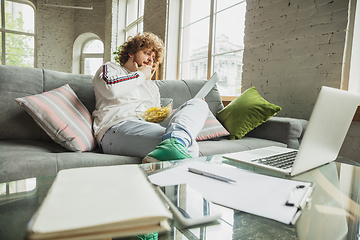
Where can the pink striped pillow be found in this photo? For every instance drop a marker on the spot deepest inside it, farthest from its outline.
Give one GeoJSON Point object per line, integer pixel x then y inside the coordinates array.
{"type": "Point", "coordinates": [212, 129]}
{"type": "Point", "coordinates": [63, 117]}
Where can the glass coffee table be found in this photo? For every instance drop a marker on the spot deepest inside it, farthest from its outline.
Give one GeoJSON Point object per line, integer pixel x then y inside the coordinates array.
{"type": "Point", "coordinates": [333, 212]}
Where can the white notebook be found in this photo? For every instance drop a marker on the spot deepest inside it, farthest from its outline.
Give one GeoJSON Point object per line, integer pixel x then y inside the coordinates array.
{"type": "Point", "coordinates": [99, 202]}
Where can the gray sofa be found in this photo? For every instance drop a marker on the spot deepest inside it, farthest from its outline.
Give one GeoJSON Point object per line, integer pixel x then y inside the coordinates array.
{"type": "Point", "coordinates": [26, 151]}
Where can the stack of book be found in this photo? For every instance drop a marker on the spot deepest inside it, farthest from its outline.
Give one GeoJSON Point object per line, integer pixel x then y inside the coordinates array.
{"type": "Point", "coordinates": [99, 203]}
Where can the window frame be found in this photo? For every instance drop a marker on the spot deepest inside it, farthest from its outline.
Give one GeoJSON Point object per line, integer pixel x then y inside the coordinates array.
{"type": "Point", "coordinates": [350, 76]}
{"type": "Point", "coordinates": [4, 31]}
{"type": "Point", "coordinates": [123, 26]}
{"type": "Point", "coordinates": [83, 55]}
{"type": "Point", "coordinates": [78, 47]}
{"type": "Point", "coordinates": [211, 55]}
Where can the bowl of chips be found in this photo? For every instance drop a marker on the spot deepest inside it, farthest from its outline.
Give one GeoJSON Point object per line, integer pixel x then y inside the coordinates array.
{"type": "Point", "coordinates": [155, 110]}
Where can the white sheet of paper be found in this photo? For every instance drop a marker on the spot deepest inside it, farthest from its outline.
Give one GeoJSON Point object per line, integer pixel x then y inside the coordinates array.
{"type": "Point", "coordinates": [252, 193]}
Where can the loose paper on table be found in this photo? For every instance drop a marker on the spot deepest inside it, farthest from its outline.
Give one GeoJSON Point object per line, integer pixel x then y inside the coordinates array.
{"type": "Point", "coordinates": [253, 193]}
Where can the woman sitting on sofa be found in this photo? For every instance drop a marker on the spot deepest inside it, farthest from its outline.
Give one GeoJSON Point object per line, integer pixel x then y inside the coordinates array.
{"type": "Point", "coordinates": [119, 89]}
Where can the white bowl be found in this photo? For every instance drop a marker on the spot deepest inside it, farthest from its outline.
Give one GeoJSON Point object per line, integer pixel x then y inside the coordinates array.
{"type": "Point", "coordinates": [155, 110]}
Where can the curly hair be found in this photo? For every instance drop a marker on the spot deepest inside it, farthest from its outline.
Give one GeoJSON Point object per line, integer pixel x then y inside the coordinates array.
{"type": "Point", "coordinates": [139, 42]}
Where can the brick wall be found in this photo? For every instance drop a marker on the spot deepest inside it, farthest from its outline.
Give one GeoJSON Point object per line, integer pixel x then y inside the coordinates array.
{"type": "Point", "coordinates": [110, 29]}
{"type": "Point", "coordinates": [57, 29]}
{"type": "Point", "coordinates": [155, 17]}
{"type": "Point", "coordinates": [90, 21]}
{"type": "Point", "coordinates": [292, 48]}
{"type": "Point", "coordinates": [155, 22]}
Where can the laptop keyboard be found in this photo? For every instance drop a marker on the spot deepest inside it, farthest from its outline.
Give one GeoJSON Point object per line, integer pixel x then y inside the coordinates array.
{"type": "Point", "coordinates": [284, 160]}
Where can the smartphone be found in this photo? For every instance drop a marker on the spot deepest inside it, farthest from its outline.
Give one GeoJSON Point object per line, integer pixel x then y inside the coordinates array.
{"type": "Point", "coordinates": [188, 205]}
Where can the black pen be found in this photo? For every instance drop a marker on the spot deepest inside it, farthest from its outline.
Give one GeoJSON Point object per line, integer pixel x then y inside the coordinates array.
{"type": "Point", "coordinates": [210, 175]}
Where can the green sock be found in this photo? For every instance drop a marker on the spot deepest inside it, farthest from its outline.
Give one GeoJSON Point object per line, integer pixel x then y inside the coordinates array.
{"type": "Point", "coordinates": [169, 149]}
{"type": "Point", "coordinates": [149, 236]}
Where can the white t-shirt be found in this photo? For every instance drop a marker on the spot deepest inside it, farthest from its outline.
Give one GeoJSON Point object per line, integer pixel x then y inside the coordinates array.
{"type": "Point", "coordinates": [118, 92]}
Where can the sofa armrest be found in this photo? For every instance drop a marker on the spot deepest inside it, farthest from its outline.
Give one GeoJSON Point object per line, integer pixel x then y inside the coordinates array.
{"type": "Point", "coordinates": [289, 131]}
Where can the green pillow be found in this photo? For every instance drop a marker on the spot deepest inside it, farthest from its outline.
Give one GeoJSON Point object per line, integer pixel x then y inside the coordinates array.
{"type": "Point", "coordinates": [245, 113]}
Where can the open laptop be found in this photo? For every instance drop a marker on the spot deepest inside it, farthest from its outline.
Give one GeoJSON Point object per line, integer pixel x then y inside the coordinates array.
{"type": "Point", "coordinates": [207, 86]}
{"type": "Point", "coordinates": [323, 138]}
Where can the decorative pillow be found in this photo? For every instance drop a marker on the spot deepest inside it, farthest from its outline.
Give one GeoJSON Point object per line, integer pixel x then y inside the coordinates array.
{"type": "Point", "coordinates": [245, 113]}
{"type": "Point", "coordinates": [211, 129]}
{"type": "Point", "coordinates": [62, 116]}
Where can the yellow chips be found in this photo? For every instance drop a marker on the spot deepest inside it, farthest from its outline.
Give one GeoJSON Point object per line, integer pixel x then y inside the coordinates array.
{"type": "Point", "coordinates": [156, 114]}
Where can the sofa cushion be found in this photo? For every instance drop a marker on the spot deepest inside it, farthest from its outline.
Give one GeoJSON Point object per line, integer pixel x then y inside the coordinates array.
{"type": "Point", "coordinates": [15, 122]}
{"type": "Point", "coordinates": [246, 112]}
{"type": "Point", "coordinates": [63, 117]}
{"type": "Point", "coordinates": [280, 129]}
{"type": "Point", "coordinates": [16, 165]}
{"type": "Point", "coordinates": [224, 145]}
{"type": "Point", "coordinates": [25, 146]}
{"type": "Point", "coordinates": [80, 83]}
{"type": "Point", "coordinates": [21, 159]}
{"type": "Point", "coordinates": [211, 129]}
{"type": "Point", "coordinates": [90, 159]}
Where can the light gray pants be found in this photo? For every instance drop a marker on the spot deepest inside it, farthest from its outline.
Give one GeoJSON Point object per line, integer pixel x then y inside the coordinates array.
{"type": "Point", "coordinates": [138, 138]}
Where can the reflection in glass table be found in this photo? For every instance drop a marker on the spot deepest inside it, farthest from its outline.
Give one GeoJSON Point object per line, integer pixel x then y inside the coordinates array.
{"type": "Point", "coordinates": [332, 214]}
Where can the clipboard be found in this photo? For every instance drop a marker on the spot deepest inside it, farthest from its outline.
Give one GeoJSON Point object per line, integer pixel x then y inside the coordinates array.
{"type": "Point", "coordinates": [306, 199]}
{"type": "Point", "coordinates": [254, 193]}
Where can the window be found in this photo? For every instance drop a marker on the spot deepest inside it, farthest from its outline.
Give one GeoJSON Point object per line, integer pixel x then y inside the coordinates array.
{"type": "Point", "coordinates": [88, 53]}
{"type": "Point", "coordinates": [134, 17]}
{"type": "Point", "coordinates": [130, 19]}
{"type": "Point", "coordinates": [17, 33]}
{"type": "Point", "coordinates": [212, 40]}
{"type": "Point", "coordinates": [351, 71]}
{"type": "Point", "coordinates": [92, 56]}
